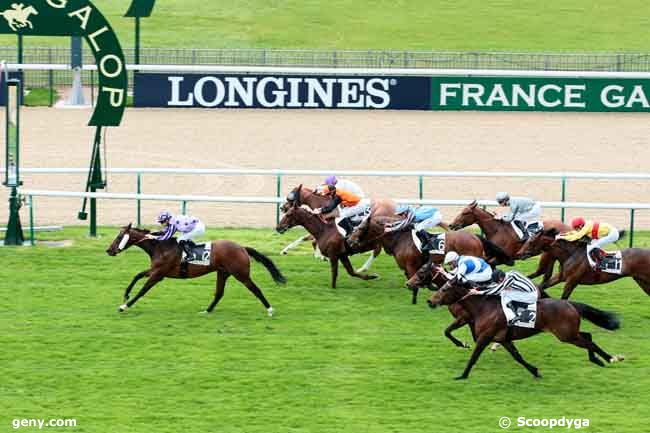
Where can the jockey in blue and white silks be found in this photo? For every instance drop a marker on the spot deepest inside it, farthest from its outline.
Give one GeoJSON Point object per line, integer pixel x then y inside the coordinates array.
{"type": "Point", "coordinates": [468, 268]}
{"type": "Point", "coordinates": [189, 228]}
{"type": "Point", "coordinates": [424, 217]}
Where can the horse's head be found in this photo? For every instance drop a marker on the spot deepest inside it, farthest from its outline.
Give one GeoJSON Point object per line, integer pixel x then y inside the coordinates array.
{"type": "Point", "coordinates": [125, 238]}
{"type": "Point", "coordinates": [466, 218]}
{"type": "Point", "coordinates": [30, 10]}
{"type": "Point", "coordinates": [450, 293]}
{"type": "Point", "coordinates": [293, 198]}
{"type": "Point", "coordinates": [360, 233]}
{"type": "Point", "coordinates": [422, 277]}
{"type": "Point", "coordinates": [295, 216]}
{"type": "Point", "coordinates": [537, 243]}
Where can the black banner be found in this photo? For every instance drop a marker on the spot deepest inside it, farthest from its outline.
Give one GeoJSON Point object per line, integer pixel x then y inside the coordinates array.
{"type": "Point", "coordinates": [281, 91]}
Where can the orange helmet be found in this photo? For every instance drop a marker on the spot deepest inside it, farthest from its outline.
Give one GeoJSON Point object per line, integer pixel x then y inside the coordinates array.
{"type": "Point", "coordinates": [577, 222]}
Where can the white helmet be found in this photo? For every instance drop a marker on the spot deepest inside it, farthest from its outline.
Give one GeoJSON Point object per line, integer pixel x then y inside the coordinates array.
{"type": "Point", "coordinates": [451, 256]}
{"type": "Point", "coordinates": [502, 196]}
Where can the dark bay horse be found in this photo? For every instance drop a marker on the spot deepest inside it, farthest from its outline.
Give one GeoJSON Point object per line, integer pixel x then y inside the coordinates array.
{"type": "Point", "coordinates": [504, 236]}
{"type": "Point", "coordinates": [426, 277]}
{"type": "Point", "coordinates": [400, 245]}
{"type": "Point", "coordinates": [559, 317]}
{"type": "Point", "coordinates": [574, 264]}
{"type": "Point", "coordinates": [227, 258]}
{"type": "Point", "coordinates": [329, 240]}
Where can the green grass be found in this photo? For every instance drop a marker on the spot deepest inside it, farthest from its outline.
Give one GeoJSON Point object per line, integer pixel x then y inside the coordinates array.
{"type": "Point", "coordinates": [356, 359]}
{"type": "Point", "coordinates": [520, 25]}
{"type": "Point", "coordinates": [40, 97]}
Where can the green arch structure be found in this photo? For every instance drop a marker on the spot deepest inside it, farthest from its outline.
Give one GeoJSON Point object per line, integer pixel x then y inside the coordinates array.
{"type": "Point", "coordinates": [75, 18]}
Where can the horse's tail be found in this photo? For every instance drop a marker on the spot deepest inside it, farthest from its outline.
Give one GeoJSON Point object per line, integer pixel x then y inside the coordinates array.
{"type": "Point", "coordinates": [601, 318]}
{"type": "Point", "coordinates": [268, 264]}
{"type": "Point", "coordinates": [493, 250]}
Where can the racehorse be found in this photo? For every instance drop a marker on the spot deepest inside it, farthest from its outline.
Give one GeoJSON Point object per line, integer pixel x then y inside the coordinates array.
{"type": "Point", "coordinates": [227, 258]}
{"type": "Point", "coordinates": [504, 236]}
{"type": "Point", "coordinates": [400, 244]}
{"type": "Point", "coordinates": [575, 267]}
{"type": "Point", "coordinates": [425, 277]}
{"type": "Point", "coordinates": [329, 240]}
{"type": "Point", "coordinates": [306, 196]}
{"type": "Point", "coordinates": [559, 317]}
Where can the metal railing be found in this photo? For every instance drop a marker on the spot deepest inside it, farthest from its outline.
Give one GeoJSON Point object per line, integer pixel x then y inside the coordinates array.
{"type": "Point", "coordinates": [185, 199]}
{"type": "Point", "coordinates": [605, 62]}
{"type": "Point", "coordinates": [278, 174]}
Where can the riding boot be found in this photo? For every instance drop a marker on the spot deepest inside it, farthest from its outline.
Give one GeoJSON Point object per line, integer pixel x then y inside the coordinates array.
{"type": "Point", "coordinates": [597, 255]}
{"type": "Point", "coordinates": [346, 225]}
{"type": "Point", "coordinates": [187, 246]}
{"type": "Point", "coordinates": [522, 227]}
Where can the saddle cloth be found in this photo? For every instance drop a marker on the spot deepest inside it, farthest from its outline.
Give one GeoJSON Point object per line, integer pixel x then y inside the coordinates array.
{"type": "Point", "coordinates": [520, 305]}
{"type": "Point", "coordinates": [531, 227]}
{"type": "Point", "coordinates": [612, 263]}
{"type": "Point", "coordinates": [355, 220]}
{"type": "Point", "coordinates": [437, 241]}
{"type": "Point", "coordinates": [200, 254]}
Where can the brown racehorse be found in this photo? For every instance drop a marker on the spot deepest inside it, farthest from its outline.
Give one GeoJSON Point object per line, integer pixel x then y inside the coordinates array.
{"type": "Point", "coordinates": [301, 195]}
{"type": "Point", "coordinates": [559, 317]}
{"type": "Point", "coordinates": [227, 258]}
{"type": "Point", "coordinates": [329, 240]}
{"type": "Point", "coordinates": [574, 265]}
{"type": "Point", "coordinates": [400, 245]}
{"type": "Point", "coordinates": [425, 277]}
{"type": "Point", "coordinates": [504, 236]}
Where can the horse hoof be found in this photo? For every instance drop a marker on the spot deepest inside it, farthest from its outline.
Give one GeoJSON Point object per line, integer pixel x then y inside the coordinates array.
{"type": "Point", "coordinates": [460, 378]}
{"type": "Point", "coordinates": [494, 347]}
{"type": "Point", "coordinates": [373, 276]}
{"type": "Point", "coordinates": [269, 311]}
{"type": "Point", "coordinates": [204, 312]}
{"type": "Point", "coordinates": [284, 253]}
{"type": "Point", "coordinates": [466, 346]}
{"type": "Point", "coordinates": [122, 308]}
{"type": "Point", "coordinates": [616, 358]}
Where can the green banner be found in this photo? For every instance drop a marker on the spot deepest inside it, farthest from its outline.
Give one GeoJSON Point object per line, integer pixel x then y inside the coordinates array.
{"type": "Point", "coordinates": [540, 94]}
{"type": "Point", "coordinates": [76, 18]}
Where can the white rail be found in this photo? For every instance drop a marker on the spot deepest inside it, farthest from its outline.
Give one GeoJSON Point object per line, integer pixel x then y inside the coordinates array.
{"type": "Point", "coordinates": [377, 173]}
{"type": "Point", "coordinates": [263, 200]}
{"type": "Point", "coordinates": [342, 71]}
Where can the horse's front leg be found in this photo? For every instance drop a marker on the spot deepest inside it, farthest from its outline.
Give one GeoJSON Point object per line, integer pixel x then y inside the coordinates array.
{"type": "Point", "coordinates": [137, 278]}
{"type": "Point", "coordinates": [350, 269]}
{"type": "Point", "coordinates": [154, 278]}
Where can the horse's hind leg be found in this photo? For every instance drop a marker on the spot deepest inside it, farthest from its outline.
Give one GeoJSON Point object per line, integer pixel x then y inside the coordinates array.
{"type": "Point", "coordinates": [458, 323]}
{"type": "Point", "coordinates": [644, 284]}
{"type": "Point", "coordinates": [371, 258]}
{"type": "Point", "coordinates": [510, 347]}
{"type": "Point", "coordinates": [222, 276]}
{"type": "Point", "coordinates": [137, 278]}
{"type": "Point", "coordinates": [481, 343]}
{"type": "Point", "coordinates": [545, 267]}
{"type": "Point", "coordinates": [348, 267]}
{"type": "Point", "coordinates": [250, 285]}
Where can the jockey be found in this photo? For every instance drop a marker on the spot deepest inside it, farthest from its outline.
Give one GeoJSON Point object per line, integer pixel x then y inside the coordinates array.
{"type": "Point", "coordinates": [189, 227]}
{"type": "Point", "coordinates": [423, 218]}
{"type": "Point", "coordinates": [346, 203]}
{"type": "Point", "coordinates": [600, 234]}
{"type": "Point", "coordinates": [517, 293]}
{"type": "Point", "coordinates": [345, 184]}
{"type": "Point", "coordinates": [469, 268]}
{"type": "Point", "coordinates": [525, 213]}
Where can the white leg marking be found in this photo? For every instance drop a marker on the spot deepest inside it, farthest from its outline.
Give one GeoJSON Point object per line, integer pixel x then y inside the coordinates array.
{"type": "Point", "coordinates": [494, 347]}
{"type": "Point", "coordinates": [270, 311]}
{"type": "Point", "coordinates": [292, 245]}
{"type": "Point", "coordinates": [367, 265]}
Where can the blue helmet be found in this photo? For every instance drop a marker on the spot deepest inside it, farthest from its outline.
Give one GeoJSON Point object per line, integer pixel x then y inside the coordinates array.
{"type": "Point", "coordinates": [401, 208]}
{"type": "Point", "coordinates": [164, 216]}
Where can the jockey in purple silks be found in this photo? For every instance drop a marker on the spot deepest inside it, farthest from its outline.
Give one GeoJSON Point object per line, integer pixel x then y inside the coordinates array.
{"type": "Point", "coordinates": [189, 227]}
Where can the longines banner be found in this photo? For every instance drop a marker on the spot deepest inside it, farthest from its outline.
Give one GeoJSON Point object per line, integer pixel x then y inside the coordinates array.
{"type": "Point", "coordinates": [539, 94]}
{"type": "Point", "coordinates": [281, 91]}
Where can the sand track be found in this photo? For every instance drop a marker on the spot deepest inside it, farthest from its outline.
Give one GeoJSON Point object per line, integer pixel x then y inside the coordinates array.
{"type": "Point", "coordinates": [329, 139]}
